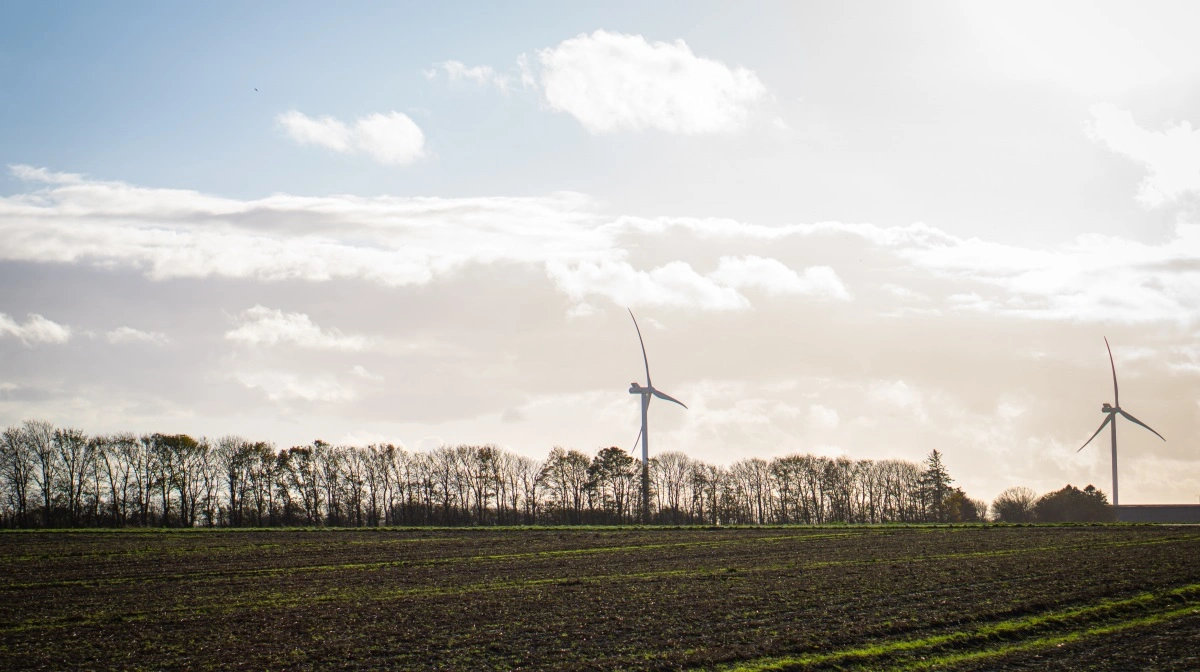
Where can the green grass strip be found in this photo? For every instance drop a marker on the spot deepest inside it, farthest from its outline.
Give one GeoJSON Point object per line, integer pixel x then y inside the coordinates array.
{"type": "Point", "coordinates": [1048, 642]}
{"type": "Point", "coordinates": [1009, 628]}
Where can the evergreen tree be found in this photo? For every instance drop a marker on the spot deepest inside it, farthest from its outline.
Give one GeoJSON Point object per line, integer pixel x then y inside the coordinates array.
{"type": "Point", "coordinates": [935, 487]}
{"type": "Point", "coordinates": [1072, 505]}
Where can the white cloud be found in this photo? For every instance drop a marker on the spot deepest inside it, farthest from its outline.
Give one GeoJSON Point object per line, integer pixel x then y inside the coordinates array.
{"type": "Point", "coordinates": [527, 79]}
{"type": "Point", "coordinates": [823, 417]}
{"type": "Point", "coordinates": [587, 254]}
{"type": "Point", "coordinates": [1171, 157]}
{"type": "Point", "coordinates": [773, 277]}
{"type": "Point", "coordinates": [613, 82]}
{"type": "Point", "coordinates": [899, 394]}
{"type": "Point", "coordinates": [362, 372]}
{"type": "Point", "coordinates": [482, 75]}
{"type": "Point", "coordinates": [390, 139]}
{"type": "Point", "coordinates": [904, 293]}
{"type": "Point", "coordinates": [678, 284]}
{"type": "Point", "coordinates": [581, 310]}
{"type": "Point", "coordinates": [173, 233]}
{"type": "Point", "coordinates": [131, 335]}
{"type": "Point", "coordinates": [284, 386]}
{"type": "Point", "coordinates": [324, 132]}
{"type": "Point", "coordinates": [35, 329]}
{"type": "Point", "coordinates": [673, 284]}
{"type": "Point", "coordinates": [268, 327]}
{"type": "Point", "coordinates": [31, 174]}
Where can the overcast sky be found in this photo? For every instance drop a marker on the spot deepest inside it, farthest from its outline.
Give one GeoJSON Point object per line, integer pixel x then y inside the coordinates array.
{"type": "Point", "coordinates": [862, 229]}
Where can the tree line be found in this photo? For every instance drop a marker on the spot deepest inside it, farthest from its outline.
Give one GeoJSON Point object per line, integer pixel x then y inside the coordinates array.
{"type": "Point", "coordinates": [62, 477]}
{"type": "Point", "coordinates": [1069, 505]}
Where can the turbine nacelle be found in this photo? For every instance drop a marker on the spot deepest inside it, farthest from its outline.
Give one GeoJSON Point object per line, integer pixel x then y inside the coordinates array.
{"type": "Point", "coordinates": [1106, 408]}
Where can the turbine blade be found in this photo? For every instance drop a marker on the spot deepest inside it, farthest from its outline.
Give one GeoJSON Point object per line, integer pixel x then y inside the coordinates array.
{"type": "Point", "coordinates": [636, 441]}
{"type": "Point", "coordinates": [1116, 395]}
{"type": "Point", "coordinates": [663, 395]}
{"type": "Point", "coordinates": [645, 359]}
{"type": "Point", "coordinates": [1139, 422]}
{"type": "Point", "coordinates": [1102, 426]}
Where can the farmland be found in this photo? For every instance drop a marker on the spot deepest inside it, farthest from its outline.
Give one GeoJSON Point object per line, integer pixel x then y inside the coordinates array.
{"type": "Point", "coordinates": [921, 597]}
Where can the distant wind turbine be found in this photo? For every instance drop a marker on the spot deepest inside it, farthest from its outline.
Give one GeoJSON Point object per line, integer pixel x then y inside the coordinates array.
{"type": "Point", "coordinates": [1111, 413]}
{"type": "Point", "coordinates": [643, 435]}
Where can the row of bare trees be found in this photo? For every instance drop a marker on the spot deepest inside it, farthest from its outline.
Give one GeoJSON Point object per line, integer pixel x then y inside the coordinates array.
{"type": "Point", "coordinates": [55, 477]}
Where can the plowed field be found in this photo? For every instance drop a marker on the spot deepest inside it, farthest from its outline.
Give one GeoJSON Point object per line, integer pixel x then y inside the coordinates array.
{"type": "Point", "coordinates": [969, 598]}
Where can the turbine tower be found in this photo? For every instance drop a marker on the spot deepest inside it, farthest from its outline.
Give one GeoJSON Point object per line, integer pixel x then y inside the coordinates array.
{"type": "Point", "coordinates": [1111, 413]}
{"type": "Point", "coordinates": [643, 435]}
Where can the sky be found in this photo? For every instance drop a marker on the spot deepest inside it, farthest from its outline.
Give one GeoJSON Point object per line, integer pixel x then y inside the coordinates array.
{"type": "Point", "coordinates": [869, 229]}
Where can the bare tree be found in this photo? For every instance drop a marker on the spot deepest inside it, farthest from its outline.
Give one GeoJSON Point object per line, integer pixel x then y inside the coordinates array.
{"type": "Point", "coordinates": [17, 463]}
{"type": "Point", "coordinates": [232, 458]}
{"type": "Point", "coordinates": [210, 480]}
{"type": "Point", "coordinates": [261, 481]}
{"type": "Point", "coordinates": [752, 478]}
{"type": "Point", "coordinates": [1015, 505]}
{"type": "Point", "coordinates": [329, 470]}
{"type": "Point", "coordinates": [527, 475]}
{"type": "Point", "coordinates": [613, 474]}
{"type": "Point", "coordinates": [117, 472]}
{"type": "Point", "coordinates": [355, 465]}
{"type": "Point", "coordinates": [75, 454]}
{"type": "Point", "coordinates": [565, 473]}
{"type": "Point", "coordinates": [39, 438]}
{"type": "Point", "coordinates": [671, 471]}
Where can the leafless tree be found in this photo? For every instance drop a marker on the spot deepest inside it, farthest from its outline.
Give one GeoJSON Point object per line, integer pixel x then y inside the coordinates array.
{"type": "Point", "coordinates": [39, 439]}
{"type": "Point", "coordinates": [1015, 505]}
{"type": "Point", "coordinates": [17, 465]}
{"type": "Point", "coordinates": [75, 454]}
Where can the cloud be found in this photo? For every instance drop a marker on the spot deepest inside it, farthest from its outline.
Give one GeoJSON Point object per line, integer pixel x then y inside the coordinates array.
{"type": "Point", "coordinates": [390, 139]}
{"type": "Point", "coordinates": [1171, 157]}
{"type": "Point", "coordinates": [481, 75]}
{"type": "Point", "coordinates": [174, 233]}
{"type": "Point", "coordinates": [31, 174]}
{"type": "Point", "coordinates": [678, 284]}
{"type": "Point", "coordinates": [284, 386]}
{"type": "Point", "coordinates": [588, 255]}
{"type": "Point", "coordinates": [581, 310]}
{"type": "Point", "coordinates": [361, 371]}
{"type": "Point", "coordinates": [673, 284]}
{"type": "Point", "coordinates": [262, 326]}
{"type": "Point", "coordinates": [775, 278]}
{"type": "Point", "coordinates": [613, 82]}
{"type": "Point", "coordinates": [324, 132]}
{"type": "Point", "coordinates": [823, 417]}
{"type": "Point", "coordinates": [131, 335]}
{"type": "Point", "coordinates": [901, 395]}
{"type": "Point", "coordinates": [904, 293]}
{"type": "Point", "coordinates": [35, 329]}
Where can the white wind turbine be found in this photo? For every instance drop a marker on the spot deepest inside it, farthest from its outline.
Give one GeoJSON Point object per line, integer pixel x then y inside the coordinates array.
{"type": "Point", "coordinates": [643, 435]}
{"type": "Point", "coordinates": [1111, 413]}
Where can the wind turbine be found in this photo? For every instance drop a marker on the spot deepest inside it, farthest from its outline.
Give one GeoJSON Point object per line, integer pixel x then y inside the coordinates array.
{"type": "Point", "coordinates": [1111, 419]}
{"type": "Point", "coordinates": [643, 435]}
